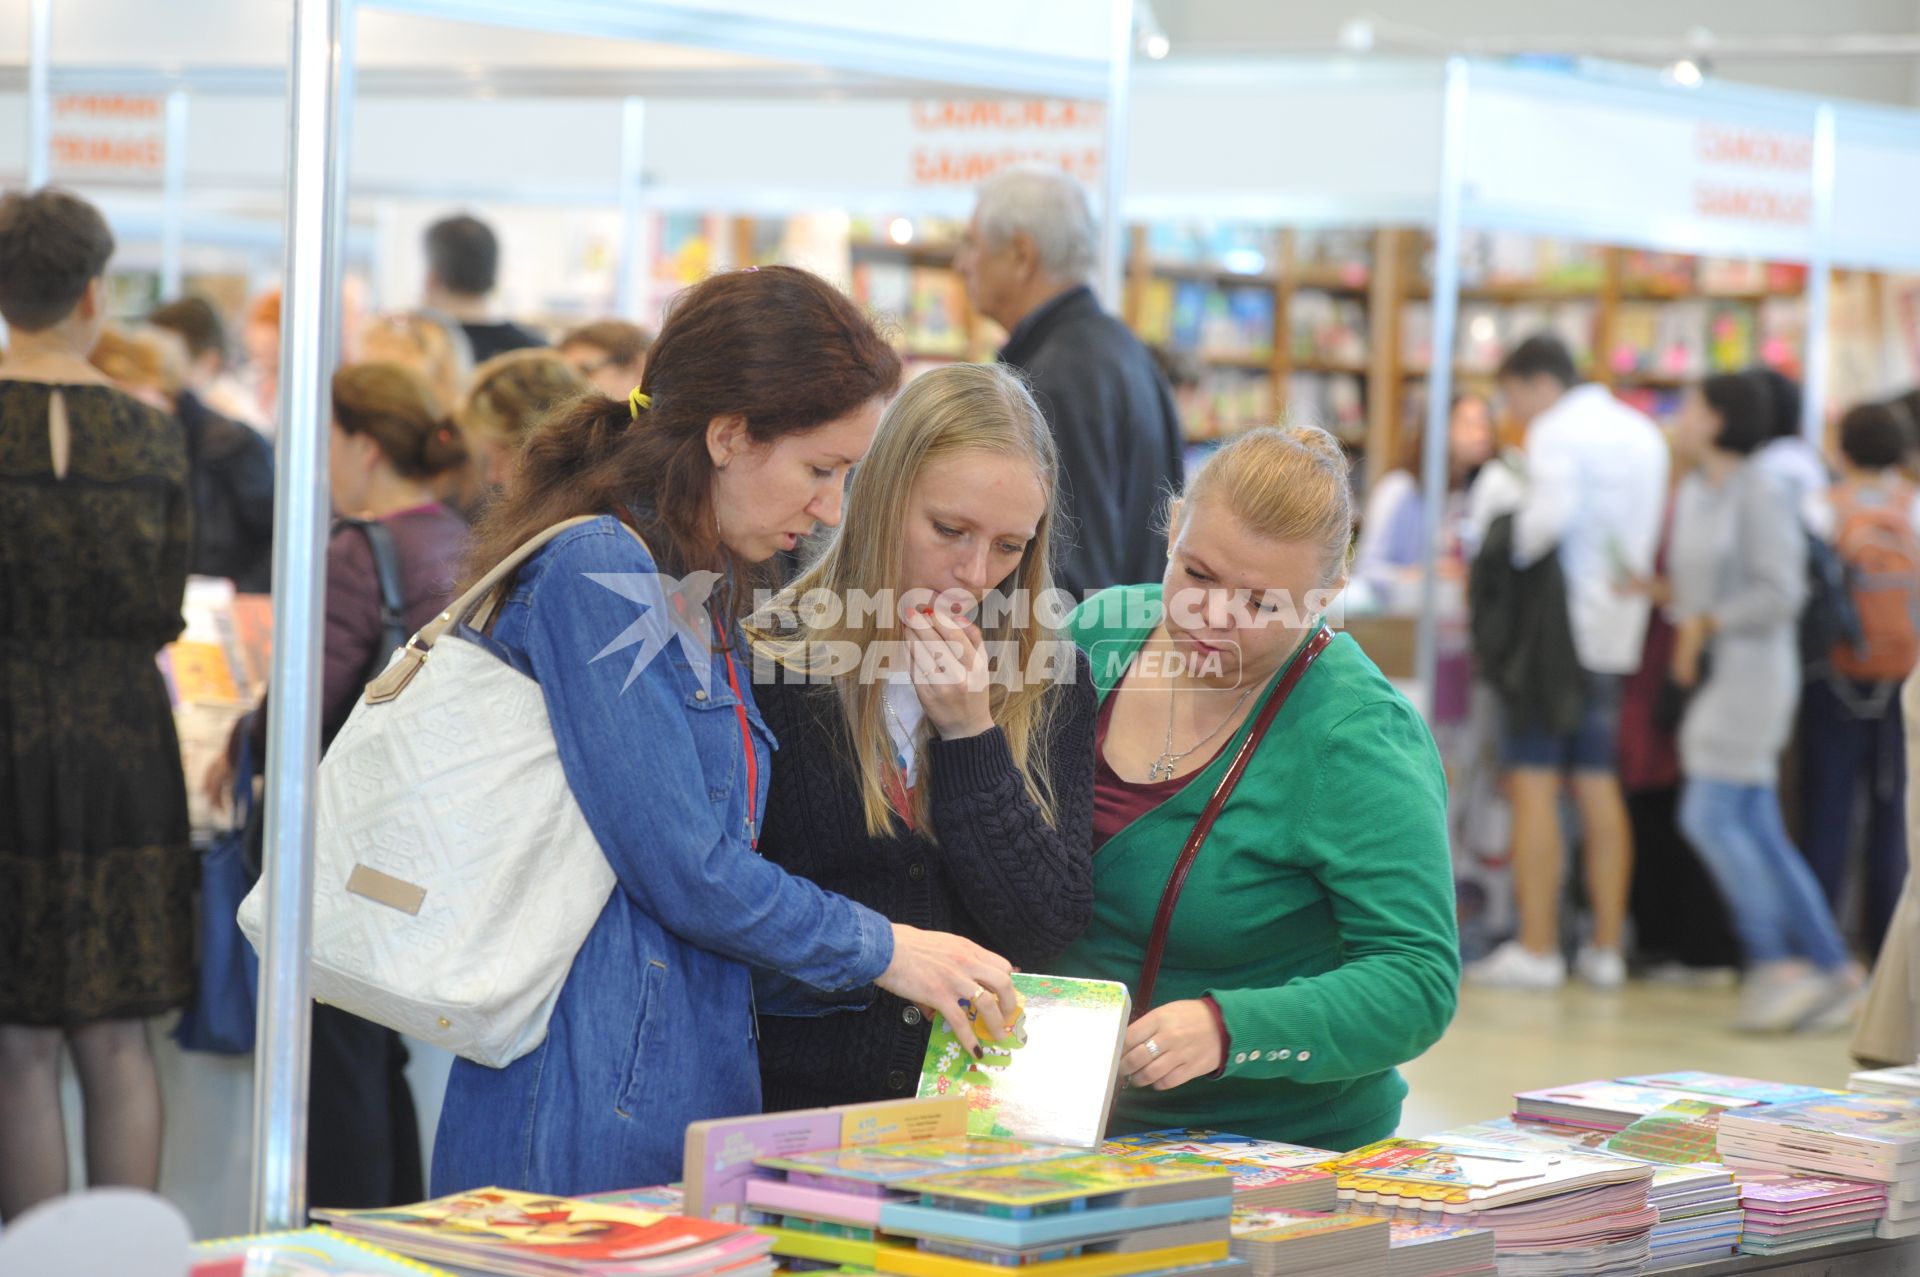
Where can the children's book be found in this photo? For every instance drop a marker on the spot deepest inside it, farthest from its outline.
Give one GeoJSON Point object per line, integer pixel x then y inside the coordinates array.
{"type": "Point", "coordinates": [721, 1153]}
{"type": "Point", "coordinates": [513, 1232]}
{"type": "Point", "coordinates": [1092, 1178]}
{"type": "Point", "coordinates": [915, 1159]}
{"type": "Point", "coordinates": [1882, 1128]}
{"type": "Point", "coordinates": [1904, 1080]}
{"type": "Point", "coordinates": [1683, 1133]}
{"type": "Point", "coordinates": [1217, 1144]}
{"type": "Point", "coordinates": [1431, 1176]}
{"type": "Point", "coordinates": [1606, 1105]}
{"type": "Point", "coordinates": [1752, 1090]}
{"type": "Point", "coordinates": [913, 1262]}
{"type": "Point", "coordinates": [310, 1252]}
{"type": "Point", "coordinates": [1057, 1086]}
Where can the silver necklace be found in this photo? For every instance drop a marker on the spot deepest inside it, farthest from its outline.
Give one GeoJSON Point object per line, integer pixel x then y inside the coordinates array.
{"type": "Point", "coordinates": [1163, 767]}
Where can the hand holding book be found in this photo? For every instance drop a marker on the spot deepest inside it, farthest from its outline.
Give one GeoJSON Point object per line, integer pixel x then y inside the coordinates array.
{"type": "Point", "coordinates": [934, 969]}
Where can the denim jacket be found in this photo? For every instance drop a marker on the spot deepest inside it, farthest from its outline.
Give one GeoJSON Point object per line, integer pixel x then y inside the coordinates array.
{"type": "Point", "coordinates": [655, 1025]}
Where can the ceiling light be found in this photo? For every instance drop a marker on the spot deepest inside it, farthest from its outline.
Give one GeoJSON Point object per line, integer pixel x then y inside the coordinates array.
{"type": "Point", "coordinates": [900, 231]}
{"type": "Point", "coordinates": [1157, 46]}
{"type": "Point", "coordinates": [1686, 73]}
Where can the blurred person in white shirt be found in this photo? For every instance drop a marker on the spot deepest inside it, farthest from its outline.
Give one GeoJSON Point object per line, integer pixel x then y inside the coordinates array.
{"type": "Point", "coordinates": [1593, 491]}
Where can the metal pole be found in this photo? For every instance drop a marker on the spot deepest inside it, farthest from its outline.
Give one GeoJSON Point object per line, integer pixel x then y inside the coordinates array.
{"type": "Point", "coordinates": [309, 312]}
{"type": "Point", "coordinates": [1813, 396]}
{"type": "Point", "coordinates": [1446, 310]}
{"type": "Point", "coordinates": [1113, 225]}
{"type": "Point", "coordinates": [633, 150]}
{"type": "Point", "coordinates": [173, 196]}
{"type": "Point", "coordinates": [39, 93]}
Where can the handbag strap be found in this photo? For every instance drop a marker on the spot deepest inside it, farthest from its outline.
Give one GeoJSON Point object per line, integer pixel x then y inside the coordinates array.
{"type": "Point", "coordinates": [394, 681]}
{"type": "Point", "coordinates": [1163, 918]}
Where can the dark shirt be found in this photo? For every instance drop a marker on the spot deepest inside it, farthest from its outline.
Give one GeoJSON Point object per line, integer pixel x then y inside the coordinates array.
{"type": "Point", "coordinates": [489, 340]}
{"type": "Point", "coordinates": [1117, 802]}
{"type": "Point", "coordinates": [430, 539]}
{"type": "Point", "coordinates": [1118, 432]}
{"type": "Point", "coordinates": [998, 874]}
{"type": "Point", "coordinates": [230, 473]}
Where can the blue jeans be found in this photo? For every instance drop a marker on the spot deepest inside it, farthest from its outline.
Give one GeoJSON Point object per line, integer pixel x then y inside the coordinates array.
{"type": "Point", "coordinates": [1778, 909]}
{"type": "Point", "coordinates": [1852, 740]}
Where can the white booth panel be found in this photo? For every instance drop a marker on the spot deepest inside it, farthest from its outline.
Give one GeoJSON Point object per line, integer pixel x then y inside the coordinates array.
{"type": "Point", "coordinates": [1876, 189]}
{"type": "Point", "coordinates": [1272, 142]}
{"type": "Point", "coordinates": [1621, 163]}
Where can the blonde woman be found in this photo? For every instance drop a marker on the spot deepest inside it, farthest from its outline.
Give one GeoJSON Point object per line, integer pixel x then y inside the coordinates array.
{"type": "Point", "coordinates": [1312, 946]}
{"type": "Point", "coordinates": [943, 802]}
{"type": "Point", "coordinates": [511, 394]}
{"type": "Point", "coordinates": [425, 341]}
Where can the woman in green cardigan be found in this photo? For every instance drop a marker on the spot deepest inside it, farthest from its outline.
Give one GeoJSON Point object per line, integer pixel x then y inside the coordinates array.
{"type": "Point", "coordinates": [1313, 948]}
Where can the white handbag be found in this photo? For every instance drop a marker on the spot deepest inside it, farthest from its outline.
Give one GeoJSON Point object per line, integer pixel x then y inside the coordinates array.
{"type": "Point", "coordinates": [454, 875]}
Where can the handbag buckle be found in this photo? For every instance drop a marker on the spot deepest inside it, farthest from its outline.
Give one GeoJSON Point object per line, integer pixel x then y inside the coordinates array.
{"type": "Point", "coordinates": [394, 679]}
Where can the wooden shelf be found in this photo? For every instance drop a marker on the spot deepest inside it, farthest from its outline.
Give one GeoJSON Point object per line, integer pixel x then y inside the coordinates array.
{"type": "Point", "coordinates": [1323, 281]}
{"type": "Point", "coordinates": [1515, 293]}
{"type": "Point", "coordinates": [919, 254]}
{"type": "Point", "coordinates": [1219, 274]}
{"type": "Point", "coordinates": [1752, 297]}
{"type": "Point", "coordinates": [1358, 368]}
{"type": "Point", "coordinates": [1250, 363]}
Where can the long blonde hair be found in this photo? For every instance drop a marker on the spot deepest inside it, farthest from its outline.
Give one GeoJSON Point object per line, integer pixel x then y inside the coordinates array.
{"type": "Point", "coordinates": [942, 414]}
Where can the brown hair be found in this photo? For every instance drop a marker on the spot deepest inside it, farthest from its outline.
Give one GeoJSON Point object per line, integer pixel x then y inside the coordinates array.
{"type": "Point", "coordinates": [395, 407]}
{"type": "Point", "coordinates": [513, 391]}
{"type": "Point", "coordinates": [624, 343]}
{"type": "Point", "coordinates": [1285, 483]}
{"type": "Point", "coordinates": [52, 245]}
{"type": "Point", "coordinates": [422, 339]}
{"type": "Point", "coordinates": [153, 361]}
{"type": "Point", "coordinates": [778, 346]}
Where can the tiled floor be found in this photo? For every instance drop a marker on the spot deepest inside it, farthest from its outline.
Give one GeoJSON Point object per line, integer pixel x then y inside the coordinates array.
{"type": "Point", "coordinates": [1505, 1042]}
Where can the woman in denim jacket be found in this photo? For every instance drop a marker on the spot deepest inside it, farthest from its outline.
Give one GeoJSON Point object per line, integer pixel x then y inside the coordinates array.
{"type": "Point", "coordinates": [764, 389]}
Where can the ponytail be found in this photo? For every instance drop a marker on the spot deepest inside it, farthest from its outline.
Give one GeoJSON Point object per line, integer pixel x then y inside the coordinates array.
{"type": "Point", "coordinates": [395, 407]}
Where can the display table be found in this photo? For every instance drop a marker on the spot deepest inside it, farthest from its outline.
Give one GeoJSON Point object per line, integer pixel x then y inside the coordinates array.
{"type": "Point", "coordinates": [1850, 1259]}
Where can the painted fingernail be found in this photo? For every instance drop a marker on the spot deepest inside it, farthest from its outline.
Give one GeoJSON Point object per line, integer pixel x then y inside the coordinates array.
{"type": "Point", "coordinates": [979, 1054]}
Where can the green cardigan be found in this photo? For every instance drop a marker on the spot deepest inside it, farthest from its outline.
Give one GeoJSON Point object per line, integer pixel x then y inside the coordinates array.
{"type": "Point", "coordinates": [1319, 913]}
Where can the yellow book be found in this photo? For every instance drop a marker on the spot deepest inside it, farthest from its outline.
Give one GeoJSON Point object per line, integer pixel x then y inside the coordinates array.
{"type": "Point", "coordinates": [920, 1263]}
{"type": "Point", "coordinates": [791, 1243]}
{"type": "Point", "coordinates": [1089, 1176]}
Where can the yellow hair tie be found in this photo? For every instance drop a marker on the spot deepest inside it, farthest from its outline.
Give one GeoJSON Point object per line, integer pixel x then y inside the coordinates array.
{"type": "Point", "coordinates": [636, 401]}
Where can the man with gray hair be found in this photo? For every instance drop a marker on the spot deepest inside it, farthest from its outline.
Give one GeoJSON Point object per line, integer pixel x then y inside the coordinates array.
{"type": "Point", "coordinates": [1026, 259]}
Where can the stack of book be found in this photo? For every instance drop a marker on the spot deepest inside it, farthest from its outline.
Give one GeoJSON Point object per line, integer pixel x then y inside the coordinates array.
{"type": "Point", "coordinates": [1901, 1081]}
{"type": "Point", "coordinates": [1863, 1137]}
{"type": "Point", "coordinates": [1550, 1212]}
{"type": "Point", "coordinates": [971, 1208]}
{"type": "Point", "coordinates": [311, 1250]}
{"type": "Point", "coordinates": [1267, 1175]}
{"type": "Point", "coordinates": [1800, 1212]}
{"type": "Point", "coordinates": [1615, 1104]}
{"type": "Point", "coordinates": [1439, 1250]}
{"type": "Point", "coordinates": [498, 1231]}
{"type": "Point", "coordinates": [1699, 1204]}
{"type": "Point", "coordinates": [1298, 1243]}
{"type": "Point", "coordinates": [1700, 1216]}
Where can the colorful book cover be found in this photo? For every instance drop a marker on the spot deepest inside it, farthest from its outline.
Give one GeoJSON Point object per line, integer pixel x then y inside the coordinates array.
{"type": "Point", "coordinates": [1799, 1191]}
{"type": "Point", "coordinates": [914, 1262]}
{"type": "Point", "coordinates": [916, 1159]}
{"type": "Point", "coordinates": [1421, 1171]}
{"type": "Point", "coordinates": [529, 1227]}
{"type": "Point", "coordinates": [1045, 1183]}
{"type": "Point", "coordinates": [1057, 1088]}
{"type": "Point", "coordinates": [1406, 1233]}
{"type": "Point", "coordinates": [665, 1199]}
{"type": "Point", "coordinates": [1248, 1177]}
{"type": "Point", "coordinates": [1752, 1090]}
{"type": "Point", "coordinates": [1891, 1120]}
{"type": "Point", "coordinates": [720, 1153]}
{"type": "Point", "coordinates": [1682, 1133]}
{"type": "Point", "coordinates": [1217, 1144]}
{"type": "Point", "coordinates": [1616, 1099]}
{"type": "Point", "coordinates": [310, 1252]}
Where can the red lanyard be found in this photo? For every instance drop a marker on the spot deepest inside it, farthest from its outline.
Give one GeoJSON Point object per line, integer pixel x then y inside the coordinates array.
{"type": "Point", "coordinates": [746, 747]}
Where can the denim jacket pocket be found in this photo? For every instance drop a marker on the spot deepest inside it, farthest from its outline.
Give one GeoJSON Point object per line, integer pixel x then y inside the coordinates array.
{"type": "Point", "coordinates": [715, 723]}
{"type": "Point", "coordinates": [648, 1035]}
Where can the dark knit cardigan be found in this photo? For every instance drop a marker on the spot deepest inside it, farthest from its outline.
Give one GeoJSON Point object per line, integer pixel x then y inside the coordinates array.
{"type": "Point", "coordinates": [999, 874]}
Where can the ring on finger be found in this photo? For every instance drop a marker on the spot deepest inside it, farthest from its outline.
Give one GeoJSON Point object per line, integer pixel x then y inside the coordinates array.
{"type": "Point", "coordinates": [1153, 1049]}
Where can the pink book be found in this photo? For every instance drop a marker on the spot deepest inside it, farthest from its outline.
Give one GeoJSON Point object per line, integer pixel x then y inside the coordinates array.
{"type": "Point", "coordinates": [775, 1197]}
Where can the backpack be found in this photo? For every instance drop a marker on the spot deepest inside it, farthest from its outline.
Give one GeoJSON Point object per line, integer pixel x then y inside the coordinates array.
{"type": "Point", "coordinates": [1828, 619]}
{"type": "Point", "coordinates": [1876, 541]}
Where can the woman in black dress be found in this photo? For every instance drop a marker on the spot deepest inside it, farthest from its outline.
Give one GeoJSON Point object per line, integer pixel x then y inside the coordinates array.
{"type": "Point", "coordinates": [97, 872]}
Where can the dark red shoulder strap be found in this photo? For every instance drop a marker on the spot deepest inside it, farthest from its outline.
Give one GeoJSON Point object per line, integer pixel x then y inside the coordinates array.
{"type": "Point", "coordinates": [1163, 919]}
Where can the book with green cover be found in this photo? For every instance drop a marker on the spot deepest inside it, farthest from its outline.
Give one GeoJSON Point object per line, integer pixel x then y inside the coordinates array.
{"type": "Point", "coordinates": [1057, 1087]}
{"type": "Point", "coordinates": [1682, 1133]}
{"type": "Point", "coordinates": [1073, 1179]}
